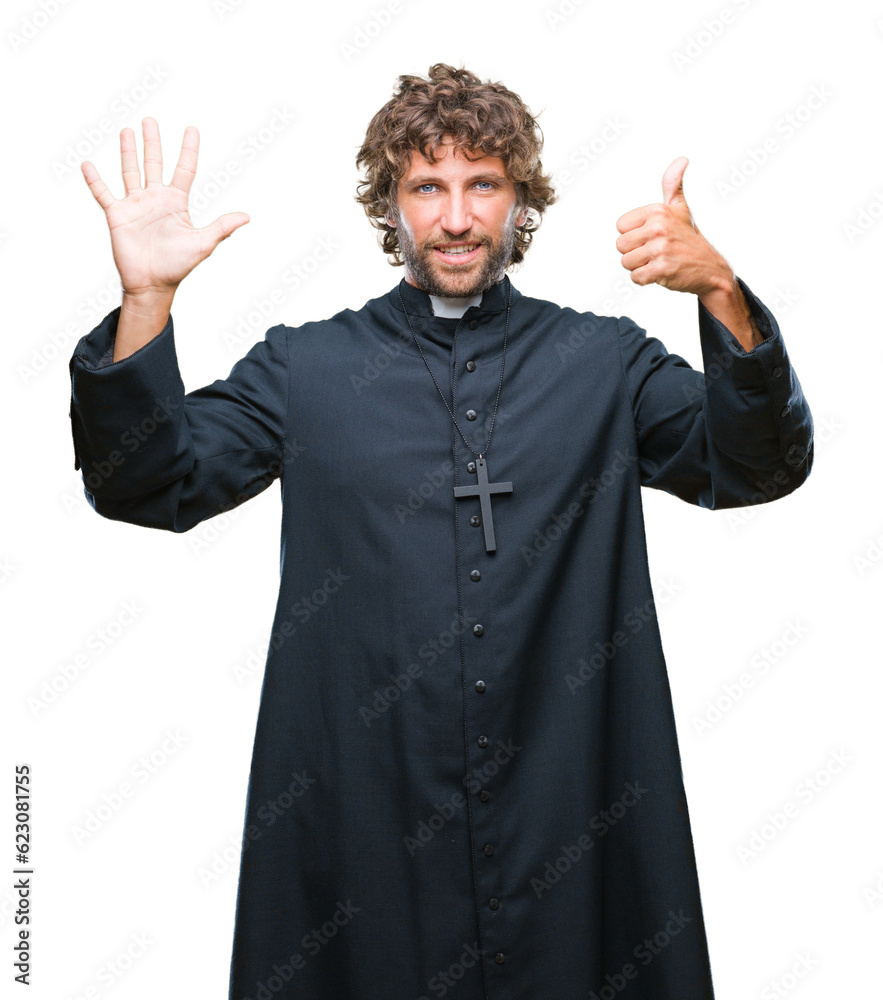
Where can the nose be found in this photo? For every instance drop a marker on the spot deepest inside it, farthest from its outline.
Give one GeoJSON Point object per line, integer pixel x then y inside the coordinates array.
{"type": "Point", "coordinates": [456, 217]}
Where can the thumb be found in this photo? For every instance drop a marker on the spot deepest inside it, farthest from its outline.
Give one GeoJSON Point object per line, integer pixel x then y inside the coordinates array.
{"type": "Point", "coordinates": [223, 227]}
{"type": "Point", "coordinates": [673, 183]}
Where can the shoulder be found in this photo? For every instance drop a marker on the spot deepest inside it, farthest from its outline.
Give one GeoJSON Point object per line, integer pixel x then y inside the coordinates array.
{"type": "Point", "coordinates": [554, 312]}
{"type": "Point", "coordinates": [569, 328]}
{"type": "Point", "coordinates": [344, 319]}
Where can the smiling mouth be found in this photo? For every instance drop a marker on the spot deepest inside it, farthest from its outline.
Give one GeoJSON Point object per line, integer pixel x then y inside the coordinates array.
{"type": "Point", "coordinates": [458, 254]}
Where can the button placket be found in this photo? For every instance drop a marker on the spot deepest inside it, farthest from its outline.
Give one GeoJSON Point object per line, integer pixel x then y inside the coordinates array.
{"type": "Point", "coordinates": [480, 723]}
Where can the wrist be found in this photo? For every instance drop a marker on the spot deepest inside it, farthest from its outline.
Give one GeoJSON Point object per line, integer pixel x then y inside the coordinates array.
{"type": "Point", "coordinates": [148, 299]}
{"type": "Point", "coordinates": [143, 315]}
{"type": "Point", "coordinates": [722, 288]}
{"type": "Point", "coordinates": [146, 307]}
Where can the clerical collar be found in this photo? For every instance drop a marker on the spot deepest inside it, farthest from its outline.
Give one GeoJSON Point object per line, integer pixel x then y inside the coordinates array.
{"type": "Point", "coordinates": [419, 303]}
{"type": "Point", "coordinates": [452, 308]}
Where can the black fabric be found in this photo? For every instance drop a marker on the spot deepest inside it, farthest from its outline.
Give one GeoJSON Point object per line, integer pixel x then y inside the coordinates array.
{"type": "Point", "coordinates": [432, 810]}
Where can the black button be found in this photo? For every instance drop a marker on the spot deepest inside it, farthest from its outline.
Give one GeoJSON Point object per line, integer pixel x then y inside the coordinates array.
{"type": "Point", "coordinates": [478, 629]}
{"type": "Point", "coordinates": [475, 575]}
{"type": "Point", "coordinates": [471, 414]}
{"type": "Point", "coordinates": [499, 958]}
{"type": "Point", "coordinates": [493, 902]}
{"type": "Point", "coordinates": [482, 741]}
{"type": "Point", "coordinates": [470, 467]}
{"type": "Point", "coordinates": [480, 686]}
{"type": "Point", "coordinates": [484, 795]}
{"type": "Point", "coordinates": [488, 849]}
{"type": "Point", "coordinates": [791, 449]}
{"type": "Point", "coordinates": [475, 520]}
{"type": "Point", "coordinates": [777, 371]}
{"type": "Point", "coordinates": [784, 411]}
{"type": "Point", "coordinates": [473, 323]}
{"type": "Point", "coordinates": [470, 366]}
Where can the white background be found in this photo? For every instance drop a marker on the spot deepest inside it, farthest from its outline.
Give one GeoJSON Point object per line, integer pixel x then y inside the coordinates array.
{"type": "Point", "coordinates": [779, 580]}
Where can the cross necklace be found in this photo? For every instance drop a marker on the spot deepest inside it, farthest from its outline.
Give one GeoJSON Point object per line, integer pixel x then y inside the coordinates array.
{"type": "Point", "coordinates": [483, 489]}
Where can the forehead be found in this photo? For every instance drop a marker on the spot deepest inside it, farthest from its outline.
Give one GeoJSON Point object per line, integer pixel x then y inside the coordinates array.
{"type": "Point", "coordinates": [452, 160]}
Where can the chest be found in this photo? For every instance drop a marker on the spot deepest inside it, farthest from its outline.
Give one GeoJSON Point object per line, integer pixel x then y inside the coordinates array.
{"type": "Point", "coordinates": [376, 422]}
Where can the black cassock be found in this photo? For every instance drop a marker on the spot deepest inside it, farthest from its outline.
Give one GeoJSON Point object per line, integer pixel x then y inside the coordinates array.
{"type": "Point", "coordinates": [466, 778]}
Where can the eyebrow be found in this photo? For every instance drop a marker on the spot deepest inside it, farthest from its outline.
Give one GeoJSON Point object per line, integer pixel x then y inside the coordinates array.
{"type": "Point", "coordinates": [486, 176]}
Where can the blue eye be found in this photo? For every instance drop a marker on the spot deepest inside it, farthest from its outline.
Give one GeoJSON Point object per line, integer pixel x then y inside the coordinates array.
{"type": "Point", "coordinates": [490, 184]}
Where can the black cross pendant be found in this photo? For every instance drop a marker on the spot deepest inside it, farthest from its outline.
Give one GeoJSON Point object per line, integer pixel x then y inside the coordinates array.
{"type": "Point", "coordinates": [483, 490]}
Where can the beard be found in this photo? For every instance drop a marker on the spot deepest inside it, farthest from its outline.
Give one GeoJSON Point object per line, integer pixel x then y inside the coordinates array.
{"type": "Point", "coordinates": [429, 272]}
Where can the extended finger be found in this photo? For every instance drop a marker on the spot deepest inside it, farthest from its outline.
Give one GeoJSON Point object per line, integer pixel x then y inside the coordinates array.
{"type": "Point", "coordinates": [96, 185]}
{"type": "Point", "coordinates": [129, 159]}
{"type": "Point", "coordinates": [185, 170]}
{"type": "Point", "coordinates": [152, 152]}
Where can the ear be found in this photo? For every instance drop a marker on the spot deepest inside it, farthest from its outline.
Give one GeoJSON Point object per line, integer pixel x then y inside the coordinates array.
{"type": "Point", "coordinates": [390, 222]}
{"type": "Point", "coordinates": [521, 218]}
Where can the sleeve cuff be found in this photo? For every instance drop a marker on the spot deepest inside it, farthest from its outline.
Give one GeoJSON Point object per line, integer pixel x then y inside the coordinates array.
{"type": "Point", "coordinates": [761, 379]}
{"type": "Point", "coordinates": [95, 349]}
{"type": "Point", "coordinates": [766, 322]}
{"type": "Point", "coordinates": [121, 394]}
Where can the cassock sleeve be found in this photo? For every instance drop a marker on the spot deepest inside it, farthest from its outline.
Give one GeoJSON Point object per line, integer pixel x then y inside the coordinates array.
{"type": "Point", "coordinates": [739, 432]}
{"type": "Point", "coordinates": [153, 455]}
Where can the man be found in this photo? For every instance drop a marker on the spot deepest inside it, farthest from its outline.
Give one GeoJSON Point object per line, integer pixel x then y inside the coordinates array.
{"type": "Point", "coordinates": [465, 773]}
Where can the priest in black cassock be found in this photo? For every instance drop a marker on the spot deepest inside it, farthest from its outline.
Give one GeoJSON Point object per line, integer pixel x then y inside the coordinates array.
{"type": "Point", "coordinates": [465, 778]}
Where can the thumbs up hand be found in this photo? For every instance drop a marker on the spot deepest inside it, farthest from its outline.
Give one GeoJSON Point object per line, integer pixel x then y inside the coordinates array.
{"type": "Point", "coordinates": [661, 243]}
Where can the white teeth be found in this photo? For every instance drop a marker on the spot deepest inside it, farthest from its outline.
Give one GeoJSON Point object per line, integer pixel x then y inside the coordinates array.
{"type": "Point", "coordinates": [456, 250]}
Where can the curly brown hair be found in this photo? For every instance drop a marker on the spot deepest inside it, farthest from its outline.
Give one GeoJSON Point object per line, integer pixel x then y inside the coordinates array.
{"type": "Point", "coordinates": [479, 116]}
